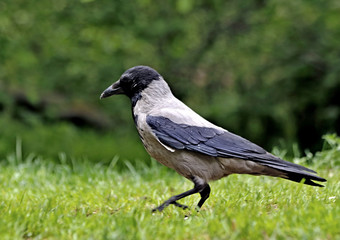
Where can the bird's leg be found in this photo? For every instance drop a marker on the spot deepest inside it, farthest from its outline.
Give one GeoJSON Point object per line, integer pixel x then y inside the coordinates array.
{"type": "Point", "coordinates": [205, 193]}
{"type": "Point", "coordinates": [199, 187]}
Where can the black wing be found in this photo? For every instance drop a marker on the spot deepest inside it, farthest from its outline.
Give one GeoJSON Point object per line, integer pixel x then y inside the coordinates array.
{"type": "Point", "coordinates": [220, 143]}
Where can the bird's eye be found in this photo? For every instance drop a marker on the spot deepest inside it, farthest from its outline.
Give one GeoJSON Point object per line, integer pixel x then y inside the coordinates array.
{"type": "Point", "coordinates": [124, 79]}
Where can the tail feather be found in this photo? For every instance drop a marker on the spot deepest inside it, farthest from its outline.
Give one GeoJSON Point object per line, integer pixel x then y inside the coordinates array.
{"type": "Point", "coordinates": [305, 178]}
{"type": "Point", "coordinates": [294, 172]}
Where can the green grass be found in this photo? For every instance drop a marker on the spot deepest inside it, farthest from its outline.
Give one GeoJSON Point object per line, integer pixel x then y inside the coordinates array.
{"type": "Point", "coordinates": [81, 200]}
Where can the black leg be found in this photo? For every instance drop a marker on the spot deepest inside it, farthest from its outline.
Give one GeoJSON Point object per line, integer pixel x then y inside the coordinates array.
{"type": "Point", "coordinates": [199, 187]}
{"type": "Point", "coordinates": [204, 195]}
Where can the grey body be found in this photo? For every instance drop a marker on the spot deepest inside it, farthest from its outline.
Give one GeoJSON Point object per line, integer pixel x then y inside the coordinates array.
{"type": "Point", "coordinates": [180, 139]}
{"type": "Point", "coordinates": [157, 100]}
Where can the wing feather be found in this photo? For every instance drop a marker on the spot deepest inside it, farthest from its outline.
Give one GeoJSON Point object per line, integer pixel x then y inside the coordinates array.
{"type": "Point", "coordinates": [221, 143]}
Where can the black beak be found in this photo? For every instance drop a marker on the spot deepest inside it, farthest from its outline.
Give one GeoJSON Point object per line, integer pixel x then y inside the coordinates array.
{"type": "Point", "coordinates": [114, 89]}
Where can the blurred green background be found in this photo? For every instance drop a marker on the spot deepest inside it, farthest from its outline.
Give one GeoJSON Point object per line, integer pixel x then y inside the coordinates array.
{"type": "Point", "coordinates": [266, 70]}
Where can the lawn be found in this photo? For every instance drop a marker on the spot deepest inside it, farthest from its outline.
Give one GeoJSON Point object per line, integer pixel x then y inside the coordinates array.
{"type": "Point", "coordinates": [74, 199]}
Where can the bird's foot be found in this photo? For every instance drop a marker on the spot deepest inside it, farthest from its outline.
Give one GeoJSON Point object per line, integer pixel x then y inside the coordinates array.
{"type": "Point", "coordinates": [165, 204]}
{"type": "Point", "coordinates": [160, 207]}
{"type": "Point", "coordinates": [180, 205]}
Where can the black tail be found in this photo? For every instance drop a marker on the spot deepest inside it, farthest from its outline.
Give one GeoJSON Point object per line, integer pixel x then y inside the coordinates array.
{"type": "Point", "coordinates": [293, 172]}
{"type": "Point", "coordinates": [306, 178]}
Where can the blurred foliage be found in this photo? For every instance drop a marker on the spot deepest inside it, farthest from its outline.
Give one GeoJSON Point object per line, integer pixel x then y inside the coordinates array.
{"type": "Point", "coordinates": [330, 155]}
{"type": "Point", "coordinates": [327, 157]}
{"type": "Point", "coordinates": [56, 141]}
{"type": "Point", "coordinates": [266, 70]}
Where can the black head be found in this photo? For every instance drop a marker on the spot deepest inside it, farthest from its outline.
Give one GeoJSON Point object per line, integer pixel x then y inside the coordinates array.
{"type": "Point", "coordinates": [132, 82]}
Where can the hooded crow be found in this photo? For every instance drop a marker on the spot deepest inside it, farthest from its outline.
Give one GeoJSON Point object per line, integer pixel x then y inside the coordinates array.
{"type": "Point", "coordinates": [180, 139]}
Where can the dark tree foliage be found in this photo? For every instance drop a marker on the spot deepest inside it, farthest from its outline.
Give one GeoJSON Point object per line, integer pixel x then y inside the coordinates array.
{"type": "Point", "coordinates": [266, 70]}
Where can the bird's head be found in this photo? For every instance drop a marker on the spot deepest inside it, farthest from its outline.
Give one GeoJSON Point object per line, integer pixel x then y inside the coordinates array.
{"type": "Point", "coordinates": [132, 82]}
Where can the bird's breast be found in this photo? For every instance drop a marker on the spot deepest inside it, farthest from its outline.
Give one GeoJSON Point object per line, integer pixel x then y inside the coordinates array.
{"type": "Point", "coordinates": [150, 142]}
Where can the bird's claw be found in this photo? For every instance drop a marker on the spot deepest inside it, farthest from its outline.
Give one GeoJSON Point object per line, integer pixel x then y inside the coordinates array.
{"type": "Point", "coordinates": [180, 205]}
{"type": "Point", "coordinates": [162, 206]}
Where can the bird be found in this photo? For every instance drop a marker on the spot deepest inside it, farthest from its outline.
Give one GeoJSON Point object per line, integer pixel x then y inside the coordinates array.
{"type": "Point", "coordinates": [179, 138]}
